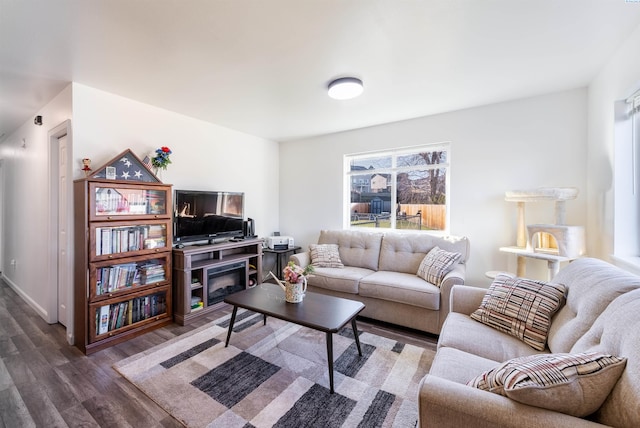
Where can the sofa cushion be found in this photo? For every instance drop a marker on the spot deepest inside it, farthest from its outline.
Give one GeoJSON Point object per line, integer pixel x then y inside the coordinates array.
{"type": "Point", "coordinates": [461, 332]}
{"type": "Point", "coordinates": [402, 288]}
{"type": "Point", "coordinates": [325, 255]}
{"type": "Point", "coordinates": [617, 331]}
{"type": "Point", "coordinates": [575, 384]}
{"type": "Point", "coordinates": [436, 264]}
{"type": "Point", "coordinates": [459, 366]}
{"type": "Point", "coordinates": [346, 280]}
{"type": "Point", "coordinates": [357, 248]}
{"type": "Point", "coordinates": [591, 285]}
{"type": "Point", "coordinates": [403, 252]}
{"type": "Point", "coordinates": [521, 307]}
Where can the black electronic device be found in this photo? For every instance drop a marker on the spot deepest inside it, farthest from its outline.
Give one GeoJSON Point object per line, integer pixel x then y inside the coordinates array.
{"type": "Point", "coordinates": [207, 216]}
{"type": "Point", "coordinates": [249, 228]}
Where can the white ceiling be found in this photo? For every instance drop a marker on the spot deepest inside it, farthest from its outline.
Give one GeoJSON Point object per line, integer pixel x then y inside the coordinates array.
{"type": "Point", "coordinates": [262, 66]}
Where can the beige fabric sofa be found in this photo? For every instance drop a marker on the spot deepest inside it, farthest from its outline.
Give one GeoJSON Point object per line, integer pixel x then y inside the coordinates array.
{"type": "Point", "coordinates": [380, 271]}
{"type": "Point", "coordinates": [601, 313]}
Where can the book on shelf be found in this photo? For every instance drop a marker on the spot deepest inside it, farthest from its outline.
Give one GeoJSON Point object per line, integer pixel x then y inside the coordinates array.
{"type": "Point", "coordinates": [116, 277]}
{"type": "Point", "coordinates": [118, 315]}
{"type": "Point", "coordinates": [154, 243]}
{"type": "Point", "coordinates": [103, 320]}
{"type": "Point", "coordinates": [151, 272]}
{"type": "Point", "coordinates": [113, 240]}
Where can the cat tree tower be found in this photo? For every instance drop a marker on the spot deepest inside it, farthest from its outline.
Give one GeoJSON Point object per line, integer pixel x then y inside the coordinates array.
{"type": "Point", "coordinates": [554, 243]}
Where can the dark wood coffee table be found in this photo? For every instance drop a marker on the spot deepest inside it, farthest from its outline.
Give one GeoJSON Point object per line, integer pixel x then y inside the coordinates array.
{"type": "Point", "coordinates": [317, 311]}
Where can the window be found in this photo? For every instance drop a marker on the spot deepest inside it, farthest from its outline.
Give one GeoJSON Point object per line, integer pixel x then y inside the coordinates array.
{"type": "Point", "coordinates": [627, 181]}
{"type": "Point", "coordinates": [399, 189]}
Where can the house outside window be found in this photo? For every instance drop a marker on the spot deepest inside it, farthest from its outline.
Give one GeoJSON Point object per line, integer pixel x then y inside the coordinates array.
{"type": "Point", "coordinates": [399, 189]}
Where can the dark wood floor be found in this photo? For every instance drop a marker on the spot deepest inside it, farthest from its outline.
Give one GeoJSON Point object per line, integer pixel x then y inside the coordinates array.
{"type": "Point", "coordinates": [46, 382]}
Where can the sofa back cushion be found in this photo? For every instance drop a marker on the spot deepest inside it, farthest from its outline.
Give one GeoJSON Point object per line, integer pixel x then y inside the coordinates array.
{"type": "Point", "coordinates": [356, 248]}
{"type": "Point", "coordinates": [403, 252]}
{"type": "Point", "coordinates": [591, 284]}
{"type": "Point", "coordinates": [617, 331]}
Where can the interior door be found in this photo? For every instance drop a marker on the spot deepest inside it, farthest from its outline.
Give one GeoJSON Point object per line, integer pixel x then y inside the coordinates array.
{"type": "Point", "coordinates": [63, 250]}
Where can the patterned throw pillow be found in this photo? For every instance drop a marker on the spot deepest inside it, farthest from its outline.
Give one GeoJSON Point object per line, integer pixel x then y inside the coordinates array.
{"type": "Point", "coordinates": [521, 307]}
{"type": "Point", "coordinates": [436, 264]}
{"type": "Point", "coordinates": [575, 384]}
{"type": "Point", "coordinates": [325, 255]}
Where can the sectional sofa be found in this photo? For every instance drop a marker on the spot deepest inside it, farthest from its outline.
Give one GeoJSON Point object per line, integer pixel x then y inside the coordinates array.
{"type": "Point", "coordinates": [381, 270]}
{"type": "Point", "coordinates": [483, 377]}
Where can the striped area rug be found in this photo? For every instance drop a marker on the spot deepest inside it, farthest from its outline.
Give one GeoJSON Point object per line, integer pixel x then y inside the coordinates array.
{"type": "Point", "coordinates": [277, 376]}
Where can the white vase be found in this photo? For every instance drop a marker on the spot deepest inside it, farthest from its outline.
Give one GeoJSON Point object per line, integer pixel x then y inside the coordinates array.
{"type": "Point", "coordinates": [294, 291]}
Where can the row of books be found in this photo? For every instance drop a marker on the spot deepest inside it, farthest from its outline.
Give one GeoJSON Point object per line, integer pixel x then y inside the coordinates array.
{"type": "Point", "coordinates": [113, 278]}
{"type": "Point", "coordinates": [113, 201]}
{"type": "Point", "coordinates": [117, 315]}
{"type": "Point", "coordinates": [111, 240]}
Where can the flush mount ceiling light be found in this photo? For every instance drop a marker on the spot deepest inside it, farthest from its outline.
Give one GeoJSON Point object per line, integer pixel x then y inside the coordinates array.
{"type": "Point", "coordinates": [345, 88]}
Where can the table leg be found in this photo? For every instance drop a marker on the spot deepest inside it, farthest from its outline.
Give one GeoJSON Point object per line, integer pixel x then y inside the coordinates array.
{"type": "Point", "coordinates": [233, 319]}
{"type": "Point", "coordinates": [355, 334]}
{"type": "Point", "coordinates": [330, 359]}
{"type": "Point", "coordinates": [264, 321]}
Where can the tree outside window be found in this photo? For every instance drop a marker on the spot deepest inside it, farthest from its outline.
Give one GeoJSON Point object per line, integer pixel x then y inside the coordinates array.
{"type": "Point", "coordinates": [400, 189]}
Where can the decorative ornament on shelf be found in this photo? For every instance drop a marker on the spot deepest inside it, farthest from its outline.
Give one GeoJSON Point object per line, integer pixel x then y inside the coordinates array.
{"type": "Point", "coordinates": [86, 166]}
{"type": "Point", "coordinates": [161, 159]}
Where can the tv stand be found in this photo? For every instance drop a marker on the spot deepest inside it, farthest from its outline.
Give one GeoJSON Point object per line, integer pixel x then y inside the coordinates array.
{"type": "Point", "coordinates": [194, 265]}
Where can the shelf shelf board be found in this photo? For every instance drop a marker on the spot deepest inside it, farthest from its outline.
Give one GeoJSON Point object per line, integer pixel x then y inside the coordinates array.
{"type": "Point", "coordinates": [520, 251]}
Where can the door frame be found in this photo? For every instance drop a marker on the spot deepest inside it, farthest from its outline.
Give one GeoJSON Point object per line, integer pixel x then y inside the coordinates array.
{"type": "Point", "coordinates": [63, 129]}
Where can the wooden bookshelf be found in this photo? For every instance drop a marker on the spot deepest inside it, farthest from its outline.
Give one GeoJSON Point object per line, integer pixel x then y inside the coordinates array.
{"type": "Point", "coordinates": [122, 272]}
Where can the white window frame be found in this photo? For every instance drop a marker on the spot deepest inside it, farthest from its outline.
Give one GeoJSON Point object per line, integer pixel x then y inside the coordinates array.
{"type": "Point", "coordinates": [392, 172]}
{"type": "Point", "coordinates": [626, 242]}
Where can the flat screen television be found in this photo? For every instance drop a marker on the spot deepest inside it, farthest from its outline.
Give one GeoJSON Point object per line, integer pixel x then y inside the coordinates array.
{"type": "Point", "coordinates": [207, 215]}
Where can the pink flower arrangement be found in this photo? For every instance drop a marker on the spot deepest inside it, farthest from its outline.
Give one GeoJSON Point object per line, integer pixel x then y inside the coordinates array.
{"type": "Point", "coordinates": [294, 273]}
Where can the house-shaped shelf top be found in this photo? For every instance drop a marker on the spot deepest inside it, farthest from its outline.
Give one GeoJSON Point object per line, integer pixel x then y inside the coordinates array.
{"type": "Point", "coordinates": [126, 167]}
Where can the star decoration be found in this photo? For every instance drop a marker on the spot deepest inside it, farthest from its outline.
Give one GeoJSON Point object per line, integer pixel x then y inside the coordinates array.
{"type": "Point", "coordinates": [138, 174]}
{"type": "Point", "coordinates": [125, 174]}
{"type": "Point", "coordinates": [126, 161]}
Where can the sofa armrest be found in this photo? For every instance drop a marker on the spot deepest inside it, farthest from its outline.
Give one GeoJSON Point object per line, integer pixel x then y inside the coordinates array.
{"type": "Point", "coordinates": [454, 277]}
{"type": "Point", "coordinates": [443, 403]}
{"type": "Point", "coordinates": [301, 259]}
{"type": "Point", "coordinates": [465, 298]}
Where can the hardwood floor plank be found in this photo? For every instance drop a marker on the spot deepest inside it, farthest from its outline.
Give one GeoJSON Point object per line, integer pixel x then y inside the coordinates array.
{"type": "Point", "coordinates": [13, 411]}
{"type": "Point", "coordinates": [78, 416]}
{"type": "Point", "coordinates": [81, 385]}
{"type": "Point", "coordinates": [18, 369]}
{"type": "Point", "coordinates": [5, 377]}
{"type": "Point", "coordinates": [45, 381]}
{"type": "Point", "coordinates": [41, 408]}
{"type": "Point", "coordinates": [7, 347]}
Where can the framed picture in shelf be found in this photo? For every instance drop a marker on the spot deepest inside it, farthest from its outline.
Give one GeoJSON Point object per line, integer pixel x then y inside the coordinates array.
{"type": "Point", "coordinates": [110, 172]}
{"type": "Point", "coordinates": [156, 206]}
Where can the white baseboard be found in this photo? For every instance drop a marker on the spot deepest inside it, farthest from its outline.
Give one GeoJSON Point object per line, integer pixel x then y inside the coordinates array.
{"type": "Point", "coordinates": [34, 305]}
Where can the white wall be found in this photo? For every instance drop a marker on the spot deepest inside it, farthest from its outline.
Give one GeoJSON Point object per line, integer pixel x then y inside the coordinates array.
{"type": "Point", "coordinates": [205, 156]}
{"type": "Point", "coordinates": [524, 144]}
{"type": "Point", "coordinates": [25, 216]}
{"type": "Point", "coordinates": [617, 80]}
